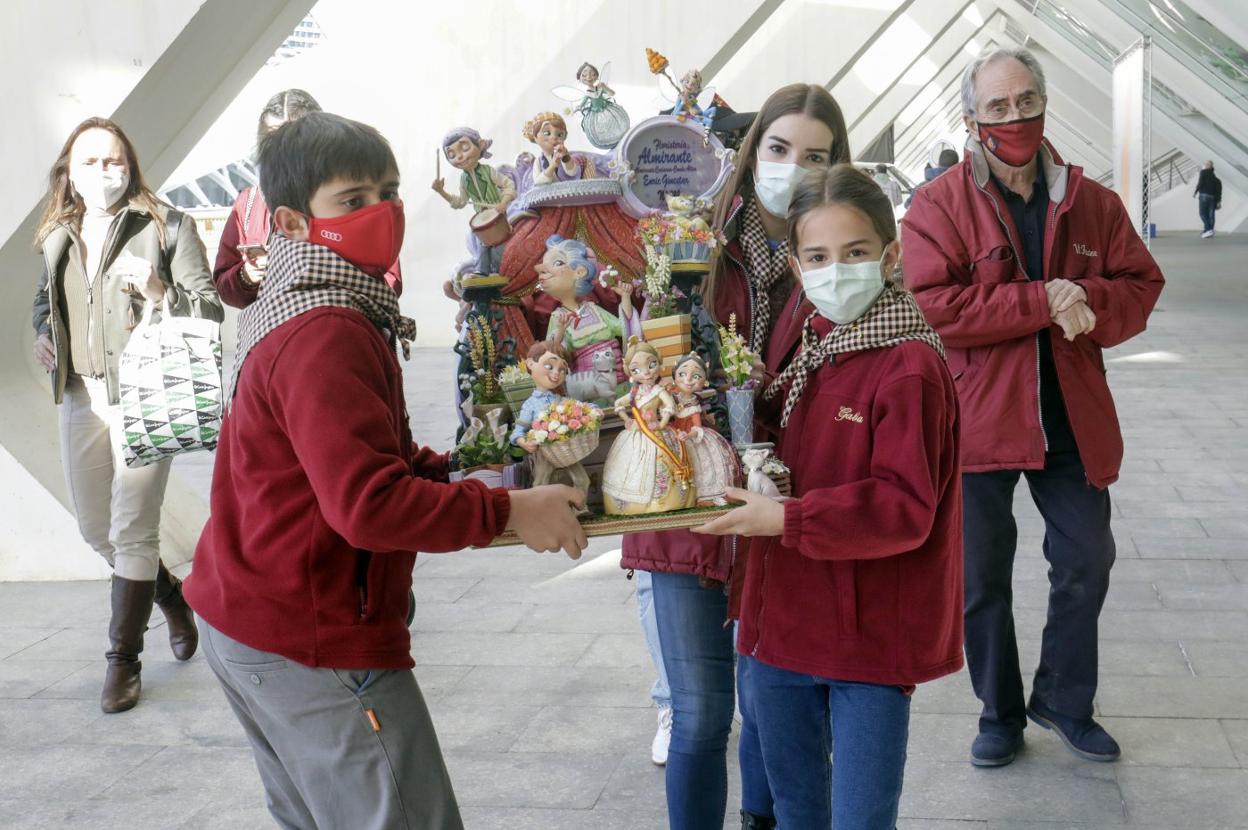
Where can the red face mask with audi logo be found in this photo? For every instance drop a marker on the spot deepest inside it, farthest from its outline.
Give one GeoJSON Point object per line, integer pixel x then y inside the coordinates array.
{"type": "Point", "coordinates": [369, 238]}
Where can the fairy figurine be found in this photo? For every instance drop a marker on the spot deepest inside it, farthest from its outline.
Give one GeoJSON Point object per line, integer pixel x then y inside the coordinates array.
{"type": "Point", "coordinates": [648, 469]}
{"type": "Point", "coordinates": [481, 186]}
{"type": "Point", "coordinates": [604, 121]}
{"type": "Point", "coordinates": [714, 462]}
{"type": "Point", "coordinates": [590, 333]}
{"type": "Point", "coordinates": [549, 132]}
{"type": "Point", "coordinates": [689, 99]}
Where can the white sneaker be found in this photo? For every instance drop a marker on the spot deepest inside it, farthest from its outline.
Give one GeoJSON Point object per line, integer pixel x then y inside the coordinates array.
{"type": "Point", "coordinates": [1206, 234]}
{"type": "Point", "coordinates": [662, 737]}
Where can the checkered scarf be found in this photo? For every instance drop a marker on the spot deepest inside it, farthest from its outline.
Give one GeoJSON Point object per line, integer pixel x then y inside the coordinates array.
{"type": "Point", "coordinates": [767, 267]}
{"type": "Point", "coordinates": [893, 318]}
{"type": "Point", "coordinates": [302, 276]}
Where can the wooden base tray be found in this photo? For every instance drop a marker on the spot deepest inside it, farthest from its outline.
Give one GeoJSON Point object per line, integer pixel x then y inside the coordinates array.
{"type": "Point", "coordinates": [602, 525]}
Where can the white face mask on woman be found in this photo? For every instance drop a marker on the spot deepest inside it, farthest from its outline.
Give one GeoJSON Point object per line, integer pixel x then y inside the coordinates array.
{"type": "Point", "coordinates": [843, 292]}
{"type": "Point", "coordinates": [774, 184]}
{"type": "Point", "coordinates": [99, 188]}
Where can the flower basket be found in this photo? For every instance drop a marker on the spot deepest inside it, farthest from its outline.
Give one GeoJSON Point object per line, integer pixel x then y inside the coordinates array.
{"type": "Point", "coordinates": [671, 336]}
{"type": "Point", "coordinates": [572, 451]}
{"type": "Point", "coordinates": [517, 392]}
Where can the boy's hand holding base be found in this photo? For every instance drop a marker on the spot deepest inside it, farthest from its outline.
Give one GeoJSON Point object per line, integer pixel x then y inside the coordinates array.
{"type": "Point", "coordinates": [545, 519]}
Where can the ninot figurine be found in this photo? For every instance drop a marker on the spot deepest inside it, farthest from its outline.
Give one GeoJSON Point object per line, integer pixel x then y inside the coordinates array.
{"type": "Point", "coordinates": [648, 468]}
{"type": "Point", "coordinates": [557, 431]}
{"type": "Point", "coordinates": [586, 329]}
{"type": "Point", "coordinates": [549, 132]}
{"type": "Point", "coordinates": [488, 190]}
{"type": "Point", "coordinates": [715, 467]}
{"type": "Point", "coordinates": [604, 121]}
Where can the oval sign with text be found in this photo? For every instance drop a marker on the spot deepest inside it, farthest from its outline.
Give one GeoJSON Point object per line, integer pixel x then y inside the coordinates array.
{"type": "Point", "coordinates": [665, 156]}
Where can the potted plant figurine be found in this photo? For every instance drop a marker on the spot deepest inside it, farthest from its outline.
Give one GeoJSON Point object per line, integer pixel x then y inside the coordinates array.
{"type": "Point", "coordinates": [738, 362]}
{"type": "Point", "coordinates": [483, 452]}
{"type": "Point", "coordinates": [480, 384]}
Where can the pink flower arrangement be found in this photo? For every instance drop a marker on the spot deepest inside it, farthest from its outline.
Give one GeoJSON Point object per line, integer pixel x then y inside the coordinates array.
{"type": "Point", "coordinates": [563, 421]}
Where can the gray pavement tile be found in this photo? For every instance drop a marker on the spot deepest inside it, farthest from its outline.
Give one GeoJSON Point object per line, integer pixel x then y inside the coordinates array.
{"type": "Point", "coordinates": [438, 681]}
{"type": "Point", "coordinates": [1208, 493]}
{"type": "Point", "coordinates": [1171, 623]}
{"type": "Point", "coordinates": [166, 723]}
{"type": "Point", "coordinates": [1185, 797]}
{"type": "Point", "coordinates": [97, 815]}
{"type": "Point", "coordinates": [1027, 788]}
{"type": "Point", "coordinates": [44, 604]}
{"type": "Point", "coordinates": [606, 619]}
{"type": "Point", "coordinates": [439, 589]}
{"type": "Point", "coordinates": [1123, 595]}
{"type": "Point", "coordinates": [25, 678]}
{"type": "Point", "coordinates": [1137, 527]}
{"type": "Point", "coordinates": [1238, 569]}
{"type": "Point", "coordinates": [15, 638]}
{"type": "Point", "coordinates": [492, 779]}
{"type": "Point", "coordinates": [1171, 742]}
{"type": "Point", "coordinates": [1121, 658]}
{"type": "Point", "coordinates": [67, 644]}
{"type": "Point", "coordinates": [634, 784]}
{"type": "Point", "coordinates": [1218, 659]}
{"type": "Point", "coordinates": [555, 685]}
{"type": "Point", "coordinates": [26, 723]}
{"type": "Point", "coordinates": [946, 739]}
{"type": "Point", "coordinates": [1161, 548]}
{"type": "Point", "coordinates": [224, 777]}
{"type": "Point", "coordinates": [1237, 735]}
{"type": "Point", "coordinates": [1204, 597]}
{"type": "Point", "coordinates": [556, 590]}
{"type": "Point", "coordinates": [492, 727]}
{"type": "Point", "coordinates": [575, 728]}
{"type": "Point", "coordinates": [511, 818]}
{"type": "Point", "coordinates": [619, 651]}
{"type": "Point", "coordinates": [60, 773]}
{"type": "Point", "coordinates": [442, 616]}
{"type": "Point", "coordinates": [951, 694]}
{"type": "Point", "coordinates": [1194, 571]}
{"type": "Point", "coordinates": [237, 818]}
{"type": "Point", "coordinates": [1159, 697]}
{"type": "Point", "coordinates": [170, 680]}
{"type": "Point", "coordinates": [941, 824]}
{"type": "Point", "coordinates": [471, 648]}
{"type": "Point", "coordinates": [1226, 528]}
{"type": "Point", "coordinates": [1174, 509]}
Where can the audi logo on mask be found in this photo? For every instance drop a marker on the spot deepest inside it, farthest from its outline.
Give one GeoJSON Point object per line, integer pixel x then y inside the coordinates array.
{"type": "Point", "coordinates": [332, 236]}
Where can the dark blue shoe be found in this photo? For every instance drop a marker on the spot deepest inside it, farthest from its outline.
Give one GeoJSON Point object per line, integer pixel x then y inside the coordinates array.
{"type": "Point", "coordinates": [1086, 738]}
{"type": "Point", "coordinates": [992, 749]}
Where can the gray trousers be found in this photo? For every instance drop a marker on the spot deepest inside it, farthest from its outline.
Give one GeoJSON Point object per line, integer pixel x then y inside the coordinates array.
{"type": "Point", "coordinates": [336, 748]}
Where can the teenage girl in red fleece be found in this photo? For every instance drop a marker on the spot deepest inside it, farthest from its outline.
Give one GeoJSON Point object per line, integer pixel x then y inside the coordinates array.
{"type": "Point", "coordinates": [855, 593]}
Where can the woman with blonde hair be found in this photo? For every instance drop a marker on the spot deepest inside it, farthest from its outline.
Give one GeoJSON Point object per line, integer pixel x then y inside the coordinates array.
{"type": "Point", "coordinates": [110, 245]}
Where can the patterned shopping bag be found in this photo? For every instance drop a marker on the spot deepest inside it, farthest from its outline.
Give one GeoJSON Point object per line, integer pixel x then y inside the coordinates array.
{"type": "Point", "coordinates": [170, 379]}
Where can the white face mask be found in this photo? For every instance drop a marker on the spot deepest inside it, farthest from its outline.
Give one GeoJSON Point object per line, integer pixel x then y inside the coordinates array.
{"type": "Point", "coordinates": [100, 189]}
{"type": "Point", "coordinates": [774, 183]}
{"type": "Point", "coordinates": [843, 292]}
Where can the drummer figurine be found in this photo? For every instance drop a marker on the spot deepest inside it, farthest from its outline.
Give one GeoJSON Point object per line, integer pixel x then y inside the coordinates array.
{"type": "Point", "coordinates": [485, 188]}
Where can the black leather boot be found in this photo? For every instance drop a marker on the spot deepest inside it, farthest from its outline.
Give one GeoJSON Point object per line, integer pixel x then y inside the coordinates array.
{"type": "Point", "coordinates": [132, 607]}
{"type": "Point", "coordinates": [179, 618]}
{"type": "Point", "coordinates": [749, 821]}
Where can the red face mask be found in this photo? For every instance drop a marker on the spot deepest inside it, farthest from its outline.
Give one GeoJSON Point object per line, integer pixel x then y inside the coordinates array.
{"type": "Point", "coordinates": [369, 238]}
{"type": "Point", "coordinates": [1014, 142]}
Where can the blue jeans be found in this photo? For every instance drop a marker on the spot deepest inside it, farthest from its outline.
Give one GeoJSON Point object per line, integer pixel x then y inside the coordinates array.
{"type": "Point", "coordinates": [697, 652]}
{"type": "Point", "coordinates": [659, 692]}
{"type": "Point", "coordinates": [833, 752]}
{"type": "Point", "coordinates": [1208, 209]}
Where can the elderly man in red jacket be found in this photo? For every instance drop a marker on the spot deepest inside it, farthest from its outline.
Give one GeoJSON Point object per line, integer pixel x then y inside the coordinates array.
{"type": "Point", "coordinates": [1028, 270]}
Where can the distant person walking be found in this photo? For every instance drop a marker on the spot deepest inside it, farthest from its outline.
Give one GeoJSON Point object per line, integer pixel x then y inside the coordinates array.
{"type": "Point", "coordinates": [109, 246]}
{"type": "Point", "coordinates": [886, 182]}
{"type": "Point", "coordinates": [947, 158]}
{"type": "Point", "coordinates": [1208, 198]}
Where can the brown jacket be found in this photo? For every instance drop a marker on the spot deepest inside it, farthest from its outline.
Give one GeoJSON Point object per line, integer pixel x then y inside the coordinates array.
{"type": "Point", "coordinates": [181, 264]}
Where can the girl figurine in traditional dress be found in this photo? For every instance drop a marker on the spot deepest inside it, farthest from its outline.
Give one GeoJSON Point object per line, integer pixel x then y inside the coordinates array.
{"type": "Point", "coordinates": [604, 121]}
{"type": "Point", "coordinates": [648, 468]}
{"type": "Point", "coordinates": [549, 131]}
{"type": "Point", "coordinates": [715, 467]}
{"type": "Point", "coordinates": [567, 273]}
{"type": "Point", "coordinates": [479, 185]}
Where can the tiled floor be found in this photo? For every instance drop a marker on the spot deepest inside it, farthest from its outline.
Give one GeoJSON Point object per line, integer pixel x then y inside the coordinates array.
{"type": "Point", "coordinates": [537, 675]}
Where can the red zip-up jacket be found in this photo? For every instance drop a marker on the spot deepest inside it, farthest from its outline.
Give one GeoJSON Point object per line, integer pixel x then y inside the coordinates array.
{"type": "Point", "coordinates": [320, 501]}
{"type": "Point", "coordinates": [962, 260]}
{"type": "Point", "coordinates": [712, 557]}
{"type": "Point", "coordinates": [866, 582]}
{"type": "Point", "coordinates": [248, 224]}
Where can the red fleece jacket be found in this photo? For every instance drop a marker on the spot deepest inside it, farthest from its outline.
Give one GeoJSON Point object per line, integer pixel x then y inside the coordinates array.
{"type": "Point", "coordinates": [320, 501]}
{"type": "Point", "coordinates": [866, 582]}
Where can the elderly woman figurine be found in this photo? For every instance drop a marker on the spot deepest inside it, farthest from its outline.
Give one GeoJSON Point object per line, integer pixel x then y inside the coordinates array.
{"type": "Point", "coordinates": [567, 273]}
{"type": "Point", "coordinates": [480, 185]}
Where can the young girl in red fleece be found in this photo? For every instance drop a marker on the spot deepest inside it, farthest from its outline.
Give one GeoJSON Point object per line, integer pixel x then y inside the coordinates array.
{"type": "Point", "coordinates": [855, 592]}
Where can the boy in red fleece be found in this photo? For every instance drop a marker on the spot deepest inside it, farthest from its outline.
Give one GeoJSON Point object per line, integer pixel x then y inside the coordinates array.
{"type": "Point", "coordinates": [320, 500]}
{"type": "Point", "coordinates": [855, 592]}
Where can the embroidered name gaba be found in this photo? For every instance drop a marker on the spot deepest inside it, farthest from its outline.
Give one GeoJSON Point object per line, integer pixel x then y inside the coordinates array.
{"type": "Point", "coordinates": [848, 414]}
{"type": "Point", "coordinates": [1084, 250]}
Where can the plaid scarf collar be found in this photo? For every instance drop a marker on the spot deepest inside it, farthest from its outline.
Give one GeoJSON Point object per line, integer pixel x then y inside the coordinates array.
{"type": "Point", "coordinates": [301, 277]}
{"type": "Point", "coordinates": [766, 268]}
{"type": "Point", "coordinates": [893, 318]}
